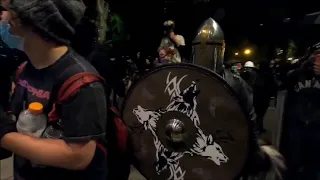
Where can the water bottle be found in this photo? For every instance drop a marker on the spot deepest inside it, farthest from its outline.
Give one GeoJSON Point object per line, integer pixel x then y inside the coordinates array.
{"type": "Point", "coordinates": [32, 121]}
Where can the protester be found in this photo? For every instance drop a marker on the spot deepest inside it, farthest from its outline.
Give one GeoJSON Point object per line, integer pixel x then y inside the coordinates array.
{"type": "Point", "coordinates": [236, 68]}
{"type": "Point", "coordinates": [44, 29]}
{"type": "Point", "coordinates": [265, 87]}
{"type": "Point", "coordinates": [264, 156]}
{"type": "Point", "coordinates": [172, 40]}
{"type": "Point", "coordinates": [301, 119]}
{"type": "Point", "coordinates": [249, 74]}
{"type": "Point", "coordinates": [165, 56]}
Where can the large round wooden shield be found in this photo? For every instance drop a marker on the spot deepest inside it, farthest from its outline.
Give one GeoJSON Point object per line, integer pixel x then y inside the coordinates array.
{"type": "Point", "coordinates": [186, 124]}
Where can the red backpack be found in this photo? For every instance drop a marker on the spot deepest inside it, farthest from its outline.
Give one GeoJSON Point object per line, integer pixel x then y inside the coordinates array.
{"type": "Point", "coordinates": [117, 133]}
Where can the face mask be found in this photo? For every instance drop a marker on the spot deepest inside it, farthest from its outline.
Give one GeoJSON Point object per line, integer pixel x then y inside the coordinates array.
{"type": "Point", "coordinates": [11, 40]}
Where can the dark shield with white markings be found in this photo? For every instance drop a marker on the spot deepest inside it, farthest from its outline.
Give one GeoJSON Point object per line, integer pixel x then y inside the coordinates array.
{"type": "Point", "coordinates": [186, 124]}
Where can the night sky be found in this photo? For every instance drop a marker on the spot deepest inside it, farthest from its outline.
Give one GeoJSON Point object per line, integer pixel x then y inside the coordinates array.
{"type": "Point", "coordinates": [258, 23]}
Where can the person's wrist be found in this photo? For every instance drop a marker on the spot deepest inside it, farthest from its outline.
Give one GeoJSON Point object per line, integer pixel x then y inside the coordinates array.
{"type": "Point", "coordinates": [7, 125]}
{"type": "Point", "coordinates": [4, 139]}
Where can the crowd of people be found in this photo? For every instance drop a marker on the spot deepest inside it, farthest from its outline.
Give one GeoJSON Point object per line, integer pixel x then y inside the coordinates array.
{"type": "Point", "coordinates": [40, 37]}
{"type": "Point", "coordinates": [299, 137]}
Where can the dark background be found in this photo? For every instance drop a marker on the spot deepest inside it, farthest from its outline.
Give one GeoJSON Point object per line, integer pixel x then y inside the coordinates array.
{"type": "Point", "coordinates": [258, 24]}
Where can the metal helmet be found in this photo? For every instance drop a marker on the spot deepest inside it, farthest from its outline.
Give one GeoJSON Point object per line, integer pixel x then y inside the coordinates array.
{"type": "Point", "coordinates": [169, 24]}
{"type": "Point", "coordinates": [208, 46]}
{"type": "Point", "coordinates": [249, 64]}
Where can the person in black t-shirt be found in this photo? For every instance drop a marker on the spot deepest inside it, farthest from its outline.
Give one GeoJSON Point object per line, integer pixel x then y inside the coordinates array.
{"type": "Point", "coordinates": [44, 28]}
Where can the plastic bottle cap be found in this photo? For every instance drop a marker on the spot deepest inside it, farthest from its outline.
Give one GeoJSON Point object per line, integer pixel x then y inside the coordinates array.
{"type": "Point", "coordinates": [35, 108]}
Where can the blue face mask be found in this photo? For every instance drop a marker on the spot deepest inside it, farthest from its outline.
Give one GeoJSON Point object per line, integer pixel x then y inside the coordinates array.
{"type": "Point", "coordinates": [11, 40]}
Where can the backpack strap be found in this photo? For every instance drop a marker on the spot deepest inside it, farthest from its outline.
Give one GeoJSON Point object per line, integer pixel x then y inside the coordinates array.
{"type": "Point", "coordinates": [70, 87]}
{"type": "Point", "coordinates": [20, 70]}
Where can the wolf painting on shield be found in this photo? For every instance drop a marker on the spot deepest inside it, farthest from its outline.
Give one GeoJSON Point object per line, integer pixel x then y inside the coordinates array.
{"type": "Point", "coordinates": [183, 101]}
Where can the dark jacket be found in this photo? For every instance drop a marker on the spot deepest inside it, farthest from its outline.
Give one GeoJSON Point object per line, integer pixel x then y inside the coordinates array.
{"type": "Point", "coordinates": [243, 91]}
{"type": "Point", "coordinates": [258, 163]}
{"type": "Point", "coordinates": [250, 77]}
{"type": "Point", "coordinates": [303, 99]}
{"type": "Point", "coordinates": [10, 59]}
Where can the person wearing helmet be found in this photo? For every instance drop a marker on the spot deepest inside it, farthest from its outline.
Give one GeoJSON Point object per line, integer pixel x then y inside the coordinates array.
{"type": "Point", "coordinates": [249, 65]}
{"type": "Point", "coordinates": [249, 74]}
{"type": "Point", "coordinates": [173, 41]}
{"type": "Point", "coordinates": [208, 51]}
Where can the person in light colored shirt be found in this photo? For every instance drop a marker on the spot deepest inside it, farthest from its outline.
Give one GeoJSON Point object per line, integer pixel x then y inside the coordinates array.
{"type": "Point", "coordinates": [173, 41]}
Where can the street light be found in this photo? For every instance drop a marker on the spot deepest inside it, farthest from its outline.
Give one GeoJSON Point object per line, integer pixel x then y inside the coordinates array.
{"type": "Point", "coordinates": [236, 53]}
{"type": "Point", "coordinates": [247, 51]}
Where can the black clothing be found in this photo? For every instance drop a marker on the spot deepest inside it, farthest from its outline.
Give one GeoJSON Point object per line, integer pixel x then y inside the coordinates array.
{"type": "Point", "coordinates": [243, 91]}
{"type": "Point", "coordinates": [82, 118]}
{"type": "Point", "coordinates": [250, 77]}
{"type": "Point", "coordinates": [258, 163]}
{"type": "Point", "coordinates": [301, 124]}
{"type": "Point", "coordinates": [7, 125]}
{"type": "Point", "coordinates": [113, 70]}
{"type": "Point", "coordinates": [305, 88]}
{"type": "Point", "coordinates": [10, 59]}
{"type": "Point", "coordinates": [264, 88]}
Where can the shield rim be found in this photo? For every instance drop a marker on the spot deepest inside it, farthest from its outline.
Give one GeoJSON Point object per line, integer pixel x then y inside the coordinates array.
{"type": "Point", "coordinates": [245, 170]}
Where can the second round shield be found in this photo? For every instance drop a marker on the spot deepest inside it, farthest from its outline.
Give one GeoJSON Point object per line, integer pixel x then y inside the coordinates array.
{"type": "Point", "coordinates": [186, 123]}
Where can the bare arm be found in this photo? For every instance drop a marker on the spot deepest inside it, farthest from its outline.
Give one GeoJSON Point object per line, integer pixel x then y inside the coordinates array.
{"type": "Point", "coordinates": [178, 40]}
{"type": "Point", "coordinates": [51, 152]}
{"type": "Point", "coordinates": [84, 120]}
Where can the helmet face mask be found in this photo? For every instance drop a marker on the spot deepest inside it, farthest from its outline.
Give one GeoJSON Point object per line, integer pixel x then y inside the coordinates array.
{"type": "Point", "coordinates": [208, 46]}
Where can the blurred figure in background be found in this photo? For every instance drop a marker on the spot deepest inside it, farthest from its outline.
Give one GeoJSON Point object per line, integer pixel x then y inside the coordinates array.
{"type": "Point", "coordinates": [233, 65]}
{"type": "Point", "coordinates": [264, 87]}
{"type": "Point", "coordinates": [165, 56]}
{"type": "Point", "coordinates": [10, 59]}
{"type": "Point", "coordinates": [112, 67]}
{"type": "Point", "coordinates": [173, 41]}
{"type": "Point", "coordinates": [236, 68]}
{"type": "Point", "coordinates": [249, 74]}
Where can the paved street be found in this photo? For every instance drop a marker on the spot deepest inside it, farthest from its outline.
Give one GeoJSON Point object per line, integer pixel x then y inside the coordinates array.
{"type": "Point", "coordinates": [6, 165]}
{"type": "Point", "coordinates": [6, 169]}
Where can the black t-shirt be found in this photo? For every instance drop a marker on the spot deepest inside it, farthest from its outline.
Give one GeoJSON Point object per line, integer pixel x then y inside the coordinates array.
{"type": "Point", "coordinates": [303, 101]}
{"type": "Point", "coordinates": [82, 118]}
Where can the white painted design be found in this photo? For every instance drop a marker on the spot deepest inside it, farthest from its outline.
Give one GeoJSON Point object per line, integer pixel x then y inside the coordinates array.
{"type": "Point", "coordinates": [185, 102]}
{"type": "Point", "coordinates": [206, 147]}
{"type": "Point", "coordinates": [168, 160]}
{"type": "Point", "coordinates": [175, 89]}
{"type": "Point", "coordinates": [186, 105]}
